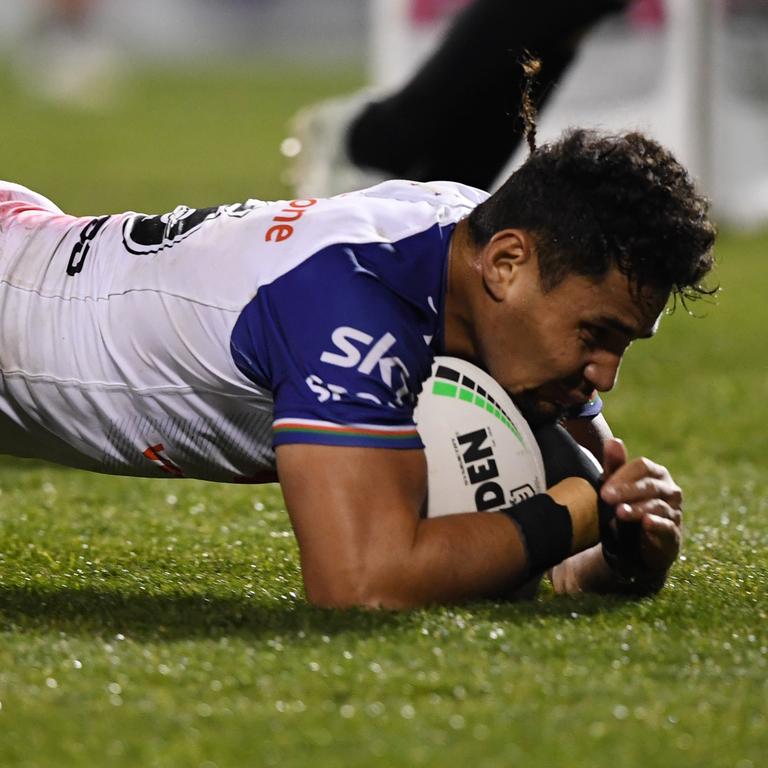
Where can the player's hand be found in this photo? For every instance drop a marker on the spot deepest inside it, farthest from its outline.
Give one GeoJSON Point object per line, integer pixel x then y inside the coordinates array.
{"type": "Point", "coordinates": [644, 493]}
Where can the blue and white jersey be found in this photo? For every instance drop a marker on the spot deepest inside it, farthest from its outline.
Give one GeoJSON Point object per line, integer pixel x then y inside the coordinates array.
{"type": "Point", "coordinates": [191, 344]}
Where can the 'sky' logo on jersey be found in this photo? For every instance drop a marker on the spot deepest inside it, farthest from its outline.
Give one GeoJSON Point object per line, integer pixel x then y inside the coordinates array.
{"type": "Point", "coordinates": [357, 349]}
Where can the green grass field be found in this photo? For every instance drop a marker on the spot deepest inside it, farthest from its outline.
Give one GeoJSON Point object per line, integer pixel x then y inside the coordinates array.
{"type": "Point", "coordinates": [162, 623]}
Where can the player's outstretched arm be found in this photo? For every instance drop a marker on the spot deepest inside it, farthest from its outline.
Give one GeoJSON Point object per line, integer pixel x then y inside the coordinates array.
{"type": "Point", "coordinates": [355, 512]}
{"type": "Point", "coordinates": [643, 493]}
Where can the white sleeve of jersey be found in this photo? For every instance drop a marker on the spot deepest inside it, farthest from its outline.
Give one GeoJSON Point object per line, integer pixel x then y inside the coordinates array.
{"type": "Point", "coordinates": [447, 196]}
{"type": "Point", "coordinates": [10, 192]}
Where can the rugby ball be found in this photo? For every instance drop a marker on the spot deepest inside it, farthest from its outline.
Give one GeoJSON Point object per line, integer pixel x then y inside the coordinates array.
{"type": "Point", "coordinates": [481, 453]}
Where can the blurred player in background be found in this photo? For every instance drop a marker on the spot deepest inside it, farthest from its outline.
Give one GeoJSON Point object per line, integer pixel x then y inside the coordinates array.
{"type": "Point", "coordinates": [458, 116]}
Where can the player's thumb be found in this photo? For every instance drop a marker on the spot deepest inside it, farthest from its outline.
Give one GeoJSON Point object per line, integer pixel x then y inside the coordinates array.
{"type": "Point", "coordinates": [614, 455]}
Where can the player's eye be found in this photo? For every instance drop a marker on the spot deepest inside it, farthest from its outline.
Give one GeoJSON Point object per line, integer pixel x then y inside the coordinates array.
{"type": "Point", "coordinates": [597, 337]}
{"type": "Point", "coordinates": [588, 337]}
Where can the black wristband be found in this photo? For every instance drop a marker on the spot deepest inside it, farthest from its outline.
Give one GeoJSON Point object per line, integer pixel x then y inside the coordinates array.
{"type": "Point", "coordinates": [546, 529]}
{"type": "Point", "coordinates": [620, 539]}
{"type": "Point", "coordinates": [621, 543]}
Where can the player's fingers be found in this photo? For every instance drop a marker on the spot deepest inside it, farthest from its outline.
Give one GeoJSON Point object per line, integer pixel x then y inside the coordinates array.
{"type": "Point", "coordinates": [662, 536]}
{"type": "Point", "coordinates": [637, 469]}
{"type": "Point", "coordinates": [662, 540]}
{"type": "Point", "coordinates": [651, 507]}
{"type": "Point", "coordinates": [614, 455]}
{"type": "Point", "coordinates": [644, 489]}
{"type": "Point", "coordinates": [658, 524]}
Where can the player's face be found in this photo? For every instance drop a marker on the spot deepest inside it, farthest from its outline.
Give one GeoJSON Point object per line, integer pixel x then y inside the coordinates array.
{"type": "Point", "coordinates": [552, 349]}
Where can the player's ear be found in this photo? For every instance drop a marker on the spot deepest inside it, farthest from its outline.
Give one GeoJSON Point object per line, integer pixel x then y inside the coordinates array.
{"type": "Point", "coordinates": [503, 256]}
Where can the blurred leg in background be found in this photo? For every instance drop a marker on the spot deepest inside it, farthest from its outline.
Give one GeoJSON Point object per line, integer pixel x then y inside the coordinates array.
{"type": "Point", "coordinates": [73, 11]}
{"type": "Point", "coordinates": [458, 117]}
{"type": "Point", "coordinates": [66, 58]}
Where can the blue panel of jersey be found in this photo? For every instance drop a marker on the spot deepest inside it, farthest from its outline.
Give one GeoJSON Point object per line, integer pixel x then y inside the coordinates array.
{"type": "Point", "coordinates": [345, 340]}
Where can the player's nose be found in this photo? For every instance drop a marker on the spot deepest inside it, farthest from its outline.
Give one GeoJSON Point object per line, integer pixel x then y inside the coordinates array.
{"type": "Point", "coordinates": [602, 371]}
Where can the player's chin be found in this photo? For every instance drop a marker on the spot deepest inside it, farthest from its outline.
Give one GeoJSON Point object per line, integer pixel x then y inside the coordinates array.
{"type": "Point", "coordinates": [536, 411]}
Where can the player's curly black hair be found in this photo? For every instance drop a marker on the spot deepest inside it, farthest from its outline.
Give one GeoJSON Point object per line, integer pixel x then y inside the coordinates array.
{"type": "Point", "coordinates": [592, 200]}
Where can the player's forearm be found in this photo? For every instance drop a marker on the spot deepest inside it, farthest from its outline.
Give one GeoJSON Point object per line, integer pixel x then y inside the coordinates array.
{"type": "Point", "coordinates": [364, 545]}
{"type": "Point", "coordinates": [454, 558]}
{"type": "Point", "coordinates": [436, 560]}
{"type": "Point", "coordinates": [460, 557]}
